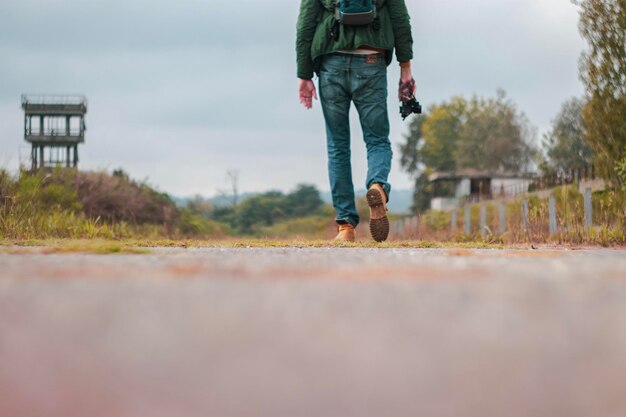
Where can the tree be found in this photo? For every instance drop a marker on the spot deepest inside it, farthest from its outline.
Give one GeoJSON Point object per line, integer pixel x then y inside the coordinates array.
{"type": "Point", "coordinates": [565, 146]}
{"type": "Point", "coordinates": [422, 193]}
{"type": "Point", "coordinates": [200, 206]}
{"type": "Point", "coordinates": [410, 158]}
{"type": "Point", "coordinates": [440, 135]}
{"type": "Point", "coordinates": [603, 72]}
{"type": "Point", "coordinates": [621, 172]}
{"type": "Point", "coordinates": [430, 147]}
{"type": "Point", "coordinates": [304, 201]}
{"type": "Point", "coordinates": [224, 214]}
{"type": "Point", "coordinates": [495, 136]}
{"type": "Point", "coordinates": [260, 210]}
{"type": "Point", "coordinates": [266, 209]}
{"type": "Point", "coordinates": [232, 177]}
{"type": "Point", "coordinates": [486, 134]}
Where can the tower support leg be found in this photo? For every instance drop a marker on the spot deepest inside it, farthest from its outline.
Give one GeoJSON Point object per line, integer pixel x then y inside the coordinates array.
{"type": "Point", "coordinates": [33, 158]}
{"type": "Point", "coordinates": [42, 161]}
{"type": "Point", "coordinates": [67, 157]}
{"type": "Point", "coordinates": [75, 156]}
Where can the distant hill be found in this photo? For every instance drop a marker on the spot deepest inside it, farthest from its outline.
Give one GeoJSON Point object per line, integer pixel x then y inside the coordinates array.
{"type": "Point", "coordinates": [218, 201]}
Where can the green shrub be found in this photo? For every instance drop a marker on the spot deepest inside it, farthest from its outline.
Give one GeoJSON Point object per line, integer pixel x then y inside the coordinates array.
{"type": "Point", "coordinates": [311, 227]}
{"type": "Point", "coordinates": [69, 204]}
{"type": "Point", "coordinates": [192, 225]}
{"type": "Point", "coordinates": [118, 198]}
{"type": "Point", "coordinates": [437, 220]}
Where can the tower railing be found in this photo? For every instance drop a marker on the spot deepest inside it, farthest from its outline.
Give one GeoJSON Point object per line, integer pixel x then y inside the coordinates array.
{"type": "Point", "coordinates": [54, 132]}
{"type": "Point", "coordinates": [63, 100]}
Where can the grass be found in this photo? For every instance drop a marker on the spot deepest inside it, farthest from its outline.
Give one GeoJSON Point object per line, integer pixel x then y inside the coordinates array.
{"type": "Point", "coordinates": [132, 246]}
{"type": "Point", "coordinates": [54, 246]}
{"type": "Point", "coordinates": [146, 246]}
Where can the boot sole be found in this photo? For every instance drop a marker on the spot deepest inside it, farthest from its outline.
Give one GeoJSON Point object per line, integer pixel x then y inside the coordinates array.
{"type": "Point", "coordinates": [379, 222]}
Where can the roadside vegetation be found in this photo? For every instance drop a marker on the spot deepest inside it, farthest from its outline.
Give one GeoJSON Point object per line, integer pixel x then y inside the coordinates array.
{"type": "Point", "coordinates": [609, 229]}
{"type": "Point", "coordinates": [71, 204]}
{"type": "Point", "coordinates": [81, 207]}
{"type": "Point", "coordinates": [91, 205]}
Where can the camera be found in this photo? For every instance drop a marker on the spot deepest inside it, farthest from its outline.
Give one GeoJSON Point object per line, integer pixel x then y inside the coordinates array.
{"type": "Point", "coordinates": [407, 108]}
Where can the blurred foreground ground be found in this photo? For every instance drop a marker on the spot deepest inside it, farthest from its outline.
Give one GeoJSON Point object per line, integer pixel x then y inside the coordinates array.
{"type": "Point", "coordinates": [314, 332]}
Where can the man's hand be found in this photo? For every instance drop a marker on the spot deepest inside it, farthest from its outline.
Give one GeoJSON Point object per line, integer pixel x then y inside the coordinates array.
{"type": "Point", "coordinates": [407, 84]}
{"type": "Point", "coordinates": [307, 93]}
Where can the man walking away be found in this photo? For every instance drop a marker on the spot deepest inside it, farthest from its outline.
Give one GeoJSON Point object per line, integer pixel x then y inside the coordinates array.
{"type": "Point", "coordinates": [349, 44]}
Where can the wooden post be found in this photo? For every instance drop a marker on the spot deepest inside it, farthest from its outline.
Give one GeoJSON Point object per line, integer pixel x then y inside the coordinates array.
{"type": "Point", "coordinates": [33, 158]}
{"type": "Point", "coordinates": [468, 224]}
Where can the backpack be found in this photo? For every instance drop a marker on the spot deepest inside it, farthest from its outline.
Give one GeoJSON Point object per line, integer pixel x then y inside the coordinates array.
{"type": "Point", "coordinates": [355, 12]}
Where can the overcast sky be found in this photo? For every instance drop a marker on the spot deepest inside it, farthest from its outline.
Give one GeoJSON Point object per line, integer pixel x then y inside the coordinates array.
{"type": "Point", "coordinates": [182, 91]}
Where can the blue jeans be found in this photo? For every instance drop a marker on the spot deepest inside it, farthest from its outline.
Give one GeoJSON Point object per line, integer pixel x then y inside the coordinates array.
{"type": "Point", "coordinates": [361, 79]}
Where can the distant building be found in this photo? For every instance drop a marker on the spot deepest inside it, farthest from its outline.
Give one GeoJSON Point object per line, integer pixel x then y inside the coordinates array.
{"type": "Point", "coordinates": [451, 189]}
{"type": "Point", "coordinates": [54, 126]}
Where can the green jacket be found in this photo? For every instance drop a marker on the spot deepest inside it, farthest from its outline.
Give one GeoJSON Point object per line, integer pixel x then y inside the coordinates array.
{"type": "Point", "coordinates": [315, 23]}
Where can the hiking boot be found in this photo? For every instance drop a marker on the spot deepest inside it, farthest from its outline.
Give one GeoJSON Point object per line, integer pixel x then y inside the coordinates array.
{"type": "Point", "coordinates": [347, 233]}
{"type": "Point", "coordinates": [379, 222]}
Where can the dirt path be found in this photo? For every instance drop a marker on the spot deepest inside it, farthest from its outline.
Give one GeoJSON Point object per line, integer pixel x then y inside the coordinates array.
{"type": "Point", "coordinates": [314, 332]}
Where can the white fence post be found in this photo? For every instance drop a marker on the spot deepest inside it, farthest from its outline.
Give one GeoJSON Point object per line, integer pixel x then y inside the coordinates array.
{"type": "Point", "coordinates": [525, 216]}
{"type": "Point", "coordinates": [483, 220]}
{"type": "Point", "coordinates": [455, 220]}
{"type": "Point", "coordinates": [588, 209]}
{"type": "Point", "coordinates": [552, 210]}
{"type": "Point", "coordinates": [502, 217]}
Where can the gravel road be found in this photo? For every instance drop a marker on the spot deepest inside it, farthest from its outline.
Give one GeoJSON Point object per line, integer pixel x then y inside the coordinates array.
{"type": "Point", "coordinates": [314, 332]}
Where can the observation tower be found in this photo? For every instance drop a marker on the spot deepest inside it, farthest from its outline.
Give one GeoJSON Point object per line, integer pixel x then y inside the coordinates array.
{"type": "Point", "coordinates": [54, 126]}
